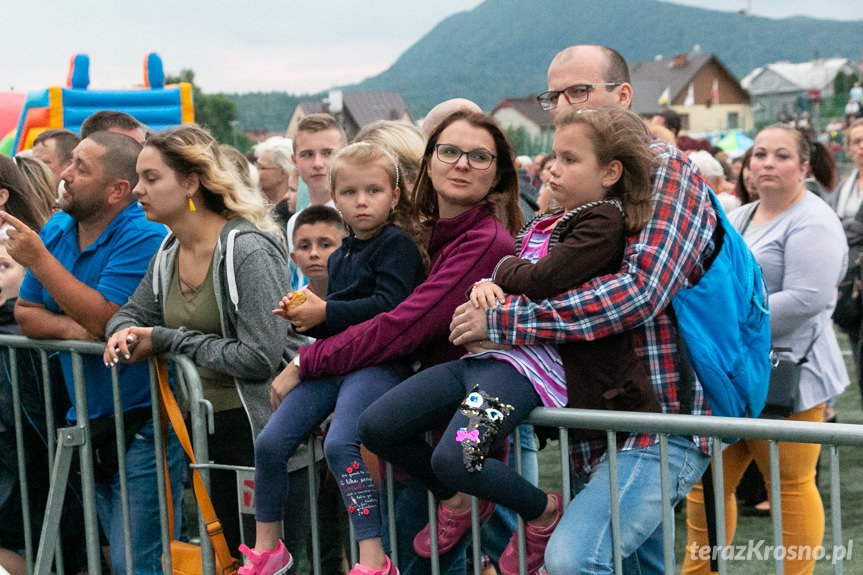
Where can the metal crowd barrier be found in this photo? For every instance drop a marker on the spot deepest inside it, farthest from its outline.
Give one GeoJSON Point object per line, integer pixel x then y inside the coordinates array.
{"type": "Point", "coordinates": [62, 442]}
{"type": "Point", "coordinates": [833, 435]}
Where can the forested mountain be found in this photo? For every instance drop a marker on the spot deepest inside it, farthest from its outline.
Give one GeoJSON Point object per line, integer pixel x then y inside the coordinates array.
{"type": "Point", "coordinates": [503, 47]}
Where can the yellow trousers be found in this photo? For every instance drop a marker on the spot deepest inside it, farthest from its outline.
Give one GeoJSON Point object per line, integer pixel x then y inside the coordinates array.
{"type": "Point", "coordinates": [802, 509]}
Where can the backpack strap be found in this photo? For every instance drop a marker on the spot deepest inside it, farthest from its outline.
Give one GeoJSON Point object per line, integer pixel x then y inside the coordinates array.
{"type": "Point", "coordinates": [684, 367]}
{"type": "Point", "coordinates": [684, 383]}
{"type": "Point", "coordinates": [749, 218]}
{"type": "Point", "coordinates": [231, 272]}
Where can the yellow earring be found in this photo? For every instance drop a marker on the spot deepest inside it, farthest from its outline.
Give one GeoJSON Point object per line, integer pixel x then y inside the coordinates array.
{"type": "Point", "coordinates": [191, 204]}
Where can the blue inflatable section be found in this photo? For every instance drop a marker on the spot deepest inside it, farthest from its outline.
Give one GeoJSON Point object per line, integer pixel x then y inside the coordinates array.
{"type": "Point", "coordinates": [155, 108]}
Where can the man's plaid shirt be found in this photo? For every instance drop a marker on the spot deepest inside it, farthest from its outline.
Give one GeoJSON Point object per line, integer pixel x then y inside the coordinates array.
{"type": "Point", "coordinates": [666, 256]}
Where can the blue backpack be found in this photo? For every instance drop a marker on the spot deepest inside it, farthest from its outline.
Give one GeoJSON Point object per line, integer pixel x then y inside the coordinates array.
{"type": "Point", "coordinates": [724, 328]}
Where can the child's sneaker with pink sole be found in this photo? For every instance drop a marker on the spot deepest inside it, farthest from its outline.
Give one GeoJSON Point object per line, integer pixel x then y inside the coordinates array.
{"type": "Point", "coordinates": [535, 541]}
{"type": "Point", "coordinates": [389, 569]}
{"type": "Point", "coordinates": [266, 562]}
{"type": "Point", "coordinates": [451, 527]}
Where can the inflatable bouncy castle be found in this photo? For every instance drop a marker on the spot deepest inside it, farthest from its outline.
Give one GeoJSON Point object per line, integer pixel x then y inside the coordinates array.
{"type": "Point", "coordinates": [156, 105]}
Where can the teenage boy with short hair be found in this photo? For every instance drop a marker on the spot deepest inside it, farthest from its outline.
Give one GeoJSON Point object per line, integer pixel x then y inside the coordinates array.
{"type": "Point", "coordinates": [319, 137]}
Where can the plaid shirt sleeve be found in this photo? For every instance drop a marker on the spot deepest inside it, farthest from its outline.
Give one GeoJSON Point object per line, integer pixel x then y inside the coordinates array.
{"type": "Point", "coordinates": [665, 256]}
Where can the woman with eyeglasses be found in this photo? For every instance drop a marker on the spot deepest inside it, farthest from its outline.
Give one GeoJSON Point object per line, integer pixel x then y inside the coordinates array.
{"type": "Point", "coordinates": [467, 195]}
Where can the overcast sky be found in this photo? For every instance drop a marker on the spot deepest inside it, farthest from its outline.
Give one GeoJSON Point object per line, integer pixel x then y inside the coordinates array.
{"type": "Point", "coordinates": [257, 45]}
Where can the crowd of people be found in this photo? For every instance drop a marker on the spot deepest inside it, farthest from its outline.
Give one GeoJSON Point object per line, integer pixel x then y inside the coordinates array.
{"type": "Point", "coordinates": [409, 297]}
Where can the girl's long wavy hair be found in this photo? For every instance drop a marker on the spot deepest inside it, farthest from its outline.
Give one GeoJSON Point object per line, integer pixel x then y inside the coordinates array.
{"type": "Point", "coordinates": [620, 135]}
{"type": "Point", "coordinates": [503, 195]}
{"type": "Point", "coordinates": [404, 214]}
{"type": "Point", "coordinates": [190, 149]}
{"type": "Point", "coordinates": [24, 203]}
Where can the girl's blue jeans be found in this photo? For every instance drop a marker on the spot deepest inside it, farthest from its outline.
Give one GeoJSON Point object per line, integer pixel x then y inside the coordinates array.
{"type": "Point", "coordinates": [305, 407]}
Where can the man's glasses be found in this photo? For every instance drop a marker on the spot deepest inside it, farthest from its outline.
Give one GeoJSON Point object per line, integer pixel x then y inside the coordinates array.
{"type": "Point", "coordinates": [478, 159]}
{"type": "Point", "coordinates": [575, 94]}
{"type": "Point", "coordinates": [263, 167]}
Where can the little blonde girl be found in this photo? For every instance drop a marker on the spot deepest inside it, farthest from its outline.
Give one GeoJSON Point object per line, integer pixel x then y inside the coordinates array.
{"type": "Point", "coordinates": [600, 177]}
{"type": "Point", "coordinates": [377, 266]}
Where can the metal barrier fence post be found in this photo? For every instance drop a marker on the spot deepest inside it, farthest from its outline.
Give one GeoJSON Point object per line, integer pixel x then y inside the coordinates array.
{"type": "Point", "coordinates": [88, 481]}
{"type": "Point", "coordinates": [836, 508]}
{"type": "Point", "coordinates": [19, 445]}
{"type": "Point", "coordinates": [667, 511]}
{"type": "Point", "coordinates": [391, 514]}
{"type": "Point", "coordinates": [155, 400]}
{"type": "Point", "coordinates": [719, 498]}
{"type": "Point", "coordinates": [522, 542]}
{"type": "Point", "coordinates": [120, 443]}
{"type": "Point", "coordinates": [51, 436]}
{"type": "Point", "coordinates": [565, 478]}
{"type": "Point", "coordinates": [776, 503]}
{"type": "Point", "coordinates": [611, 446]}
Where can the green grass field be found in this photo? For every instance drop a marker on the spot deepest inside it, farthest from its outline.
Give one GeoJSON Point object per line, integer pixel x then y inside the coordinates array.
{"type": "Point", "coordinates": [848, 409]}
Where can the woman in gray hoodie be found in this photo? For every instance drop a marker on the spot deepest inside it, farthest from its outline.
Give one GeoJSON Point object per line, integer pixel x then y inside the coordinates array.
{"type": "Point", "coordinates": [208, 294]}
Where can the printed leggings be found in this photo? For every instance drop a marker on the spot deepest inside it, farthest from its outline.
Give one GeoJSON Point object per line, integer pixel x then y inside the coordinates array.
{"type": "Point", "coordinates": [305, 407]}
{"type": "Point", "coordinates": [483, 400]}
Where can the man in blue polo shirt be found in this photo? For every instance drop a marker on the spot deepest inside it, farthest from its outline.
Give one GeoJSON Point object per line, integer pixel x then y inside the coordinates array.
{"type": "Point", "coordinates": [84, 265]}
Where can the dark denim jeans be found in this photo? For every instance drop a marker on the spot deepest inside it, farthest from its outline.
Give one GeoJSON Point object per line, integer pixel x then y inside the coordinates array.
{"type": "Point", "coordinates": [142, 480]}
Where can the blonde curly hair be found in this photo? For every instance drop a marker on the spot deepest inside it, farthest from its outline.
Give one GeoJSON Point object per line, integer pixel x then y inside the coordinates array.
{"type": "Point", "coordinates": [190, 149]}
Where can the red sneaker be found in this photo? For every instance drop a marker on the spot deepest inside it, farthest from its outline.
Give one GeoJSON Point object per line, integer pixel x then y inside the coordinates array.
{"type": "Point", "coordinates": [535, 542]}
{"type": "Point", "coordinates": [450, 529]}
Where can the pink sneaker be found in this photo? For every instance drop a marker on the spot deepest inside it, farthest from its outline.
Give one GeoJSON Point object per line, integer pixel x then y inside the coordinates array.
{"type": "Point", "coordinates": [266, 563]}
{"type": "Point", "coordinates": [450, 529]}
{"type": "Point", "coordinates": [535, 540]}
{"type": "Point", "coordinates": [389, 569]}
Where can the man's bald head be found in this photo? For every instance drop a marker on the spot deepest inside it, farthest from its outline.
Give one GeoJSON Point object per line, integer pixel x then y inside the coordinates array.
{"type": "Point", "coordinates": [589, 65]}
{"type": "Point", "coordinates": [444, 109]}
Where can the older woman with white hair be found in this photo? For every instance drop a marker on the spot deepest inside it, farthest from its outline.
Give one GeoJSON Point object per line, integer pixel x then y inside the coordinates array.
{"type": "Point", "coordinates": [715, 174]}
{"type": "Point", "coordinates": [277, 176]}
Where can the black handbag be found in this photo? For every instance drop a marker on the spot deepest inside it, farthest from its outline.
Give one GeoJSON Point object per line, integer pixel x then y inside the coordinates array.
{"type": "Point", "coordinates": [784, 388]}
{"type": "Point", "coordinates": [848, 313]}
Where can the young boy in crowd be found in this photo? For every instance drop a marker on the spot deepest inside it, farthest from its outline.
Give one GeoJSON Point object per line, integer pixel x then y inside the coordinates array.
{"type": "Point", "coordinates": [318, 232]}
{"type": "Point", "coordinates": [318, 138]}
